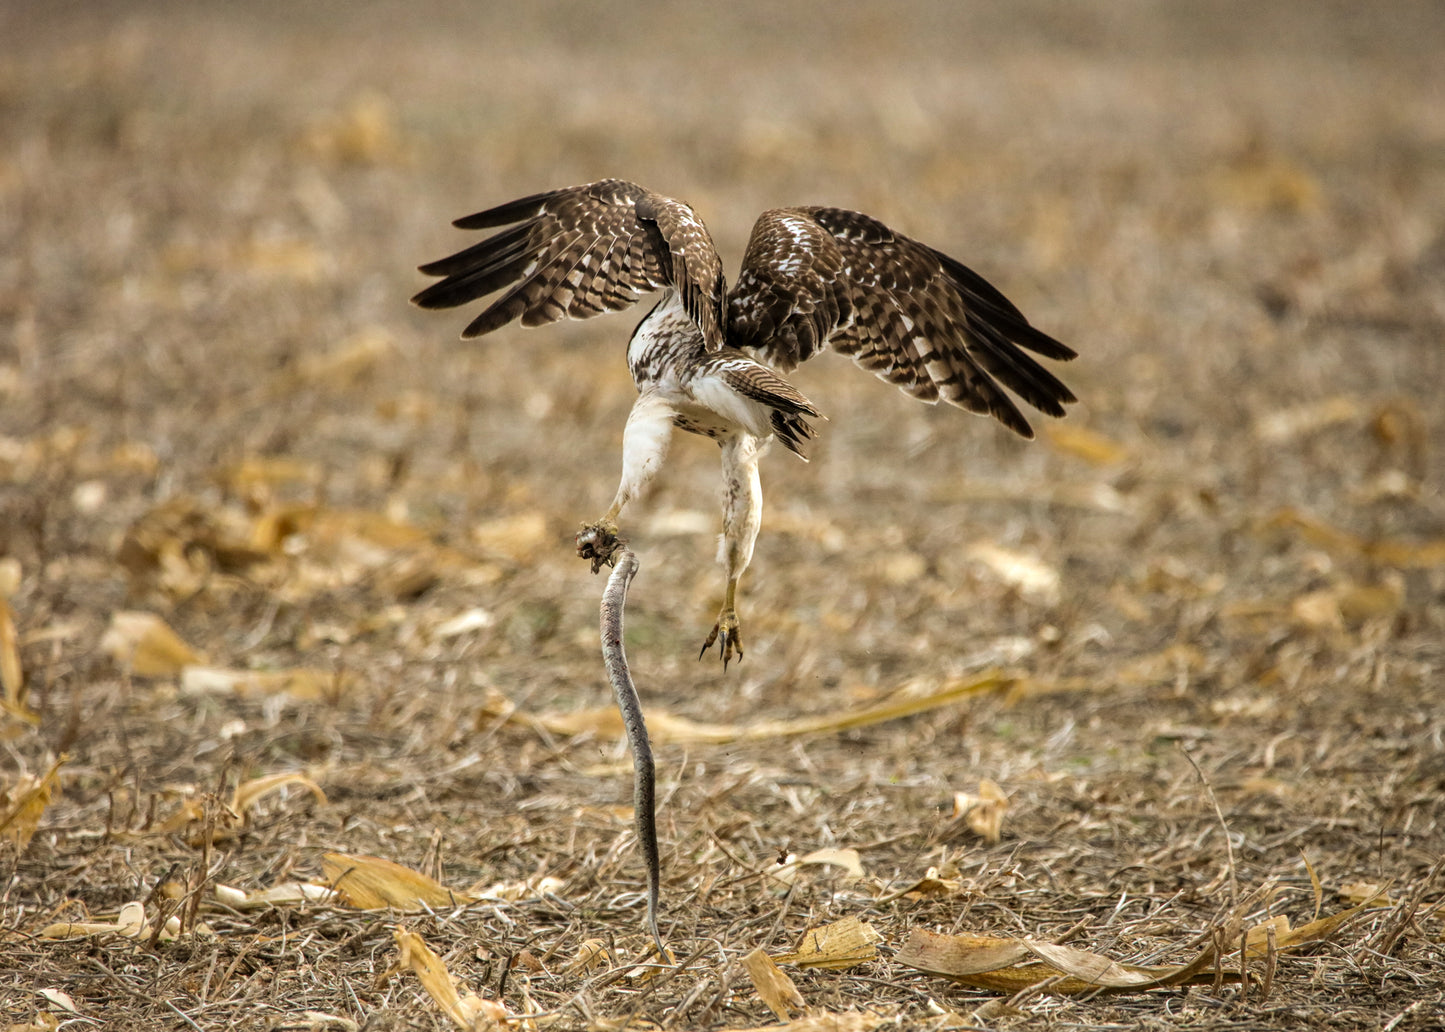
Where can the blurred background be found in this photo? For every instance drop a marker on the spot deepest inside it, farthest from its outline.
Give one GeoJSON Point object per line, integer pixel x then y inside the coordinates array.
{"type": "Point", "coordinates": [216, 406]}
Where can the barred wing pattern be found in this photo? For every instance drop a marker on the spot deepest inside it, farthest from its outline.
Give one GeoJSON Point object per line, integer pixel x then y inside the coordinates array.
{"type": "Point", "coordinates": [817, 277]}
{"type": "Point", "coordinates": [579, 252]}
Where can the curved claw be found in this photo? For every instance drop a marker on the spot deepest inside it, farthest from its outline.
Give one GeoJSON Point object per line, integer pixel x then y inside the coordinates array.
{"type": "Point", "coordinates": [599, 542]}
{"type": "Point", "coordinates": [728, 637]}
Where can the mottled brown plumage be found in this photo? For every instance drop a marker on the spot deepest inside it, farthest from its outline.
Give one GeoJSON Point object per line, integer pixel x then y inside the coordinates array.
{"type": "Point", "coordinates": [709, 360]}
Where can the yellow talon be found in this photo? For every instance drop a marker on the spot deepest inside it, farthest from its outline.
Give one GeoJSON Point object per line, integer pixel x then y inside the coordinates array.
{"type": "Point", "coordinates": [728, 636]}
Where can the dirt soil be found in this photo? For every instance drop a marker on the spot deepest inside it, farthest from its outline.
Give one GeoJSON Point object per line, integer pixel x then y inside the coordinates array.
{"type": "Point", "coordinates": [258, 516]}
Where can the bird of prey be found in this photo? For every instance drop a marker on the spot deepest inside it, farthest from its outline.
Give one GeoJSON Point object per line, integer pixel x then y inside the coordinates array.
{"type": "Point", "coordinates": [710, 360]}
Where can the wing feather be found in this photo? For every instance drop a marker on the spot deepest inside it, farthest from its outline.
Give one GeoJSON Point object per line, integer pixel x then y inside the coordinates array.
{"type": "Point", "coordinates": [578, 252]}
{"type": "Point", "coordinates": [827, 277]}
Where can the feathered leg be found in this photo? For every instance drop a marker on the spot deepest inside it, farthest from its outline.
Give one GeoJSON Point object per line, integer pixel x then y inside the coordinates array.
{"type": "Point", "coordinates": [742, 516]}
{"type": "Point", "coordinates": [644, 447]}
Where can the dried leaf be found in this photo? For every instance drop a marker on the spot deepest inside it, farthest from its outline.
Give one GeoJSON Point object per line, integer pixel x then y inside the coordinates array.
{"type": "Point", "coordinates": [257, 476]}
{"type": "Point", "coordinates": [1362, 893]}
{"type": "Point", "coordinates": [61, 1000]}
{"type": "Point", "coordinates": [278, 895]}
{"type": "Point", "coordinates": [983, 813]}
{"type": "Point", "coordinates": [848, 859]}
{"type": "Point", "coordinates": [23, 804]}
{"type": "Point", "coordinates": [1400, 553]}
{"type": "Point", "coordinates": [1034, 578]}
{"type": "Point", "coordinates": [1282, 425]}
{"type": "Point", "coordinates": [512, 891]}
{"type": "Point", "coordinates": [774, 987]}
{"type": "Point", "coordinates": [932, 885]}
{"type": "Point", "coordinates": [1011, 965]}
{"type": "Point", "coordinates": [248, 793]}
{"type": "Point", "coordinates": [364, 133]}
{"type": "Point", "coordinates": [663, 726]}
{"type": "Point", "coordinates": [302, 683]}
{"type": "Point", "coordinates": [145, 645]}
{"type": "Point", "coordinates": [130, 923]}
{"type": "Point", "coordinates": [842, 944]}
{"type": "Point", "coordinates": [464, 623]}
{"type": "Point", "coordinates": [344, 365]}
{"type": "Point", "coordinates": [519, 537]}
{"type": "Point", "coordinates": [10, 576]}
{"type": "Point", "coordinates": [372, 883]}
{"type": "Point", "coordinates": [468, 1010]}
{"type": "Point", "coordinates": [12, 674]}
{"type": "Point", "coordinates": [1317, 885]}
{"type": "Point", "coordinates": [590, 956]}
{"type": "Point", "coordinates": [1089, 445]}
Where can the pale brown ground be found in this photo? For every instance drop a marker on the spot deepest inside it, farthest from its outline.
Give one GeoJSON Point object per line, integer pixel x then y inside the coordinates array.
{"type": "Point", "coordinates": [210, 215]}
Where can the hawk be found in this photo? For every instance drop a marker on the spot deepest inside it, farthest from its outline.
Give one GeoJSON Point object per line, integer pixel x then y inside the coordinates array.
{"type": "Point", "coordinates": [710, 360]}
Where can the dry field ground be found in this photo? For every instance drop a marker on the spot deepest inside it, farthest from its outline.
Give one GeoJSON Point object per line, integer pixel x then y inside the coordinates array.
{"type": "Point", "coordinates": [1182, 655]}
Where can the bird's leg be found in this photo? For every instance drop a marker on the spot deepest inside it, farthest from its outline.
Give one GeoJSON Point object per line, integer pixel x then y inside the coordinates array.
{"type": "Point", "coordinates": [644, 447]}
{"type": "Point", "coordinates": [742, 516]}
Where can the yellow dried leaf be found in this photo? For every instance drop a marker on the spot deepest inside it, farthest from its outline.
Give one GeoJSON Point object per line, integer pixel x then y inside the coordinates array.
{"type": "Point", "coordinates": [1397, 552]}
{"type": "Point", "coordinates": [1010, 965]}
{"type": "Point", "coordinates": [249, 792]}
{"type": "Point", "coordinates": [146, 645]}
{"type": "Point", "coordinates": [10, 576]}
{"type": "Point", "coordinates": [848, 859]}
{"type": "Point", "coordinates": [518, 537]}
{"type": "Point", "coordinates": [1299, 420]}
{"type": "Point", "coordinates": [1319, 610]}
{"type": "Point", "coordinates": [983, 813]}
{"type": "Point", "coordinates": [1089, 445]}
{"type": "Point", "coordinates": [297, 682]}
{"type": "Point", "coordinates": [1034, 578]}
{"type": "Point", "coordinates": [1348, 603]}
{"type": "Point", "coordinates": [130, 923]}
{"type": "Point", "coordinates": [12, 674]}
{"type": "Point", "coordinates": [530, 888]}
{"type": "Point", "coordinates": [1317, 885]}
{"type": "Point", "coordinates": [1261, 180]}
{"type": "Point", "coordinates": [1360, 602]}
{"type": "Point", "coordinates": [932, 884]}
{"type": "Point", "coordinates": [24, 803]}
{"type": "Point", "coordinates": [590, 956]}
{"type": "Point", "coordinates": [774, 987]}
{"type": "Point", "coordinates": [364, 133]}
{"type": "Point", "coordinates": [468, 1010]}
{"type": "Point", "coordinates": [372, 883]}
{"type": "Point", "coordinates": [1363, 893]}
{"type": "Point", "coordinates": [280, 257]}
{"type": "Point", "coordinates": [277, 895]}
{"type": "Point", "coordinates": [256, 476]}
{"type": "Point", "coordinates": [343, 365]}
{"type": "Point", "coordinates": [841, 944]}
{"type": "Point", "coordinates": [899, 567]}
{"type": "Point", "coordinates": [1257, 939]}
{"type": "Point", "coordinates": [662, 726]}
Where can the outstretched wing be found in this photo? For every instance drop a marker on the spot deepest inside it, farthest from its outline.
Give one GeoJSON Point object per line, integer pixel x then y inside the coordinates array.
{"type": "Point", "coordinates": [826, 277]}
{"type": "Point", "coordinates": [581, 251]}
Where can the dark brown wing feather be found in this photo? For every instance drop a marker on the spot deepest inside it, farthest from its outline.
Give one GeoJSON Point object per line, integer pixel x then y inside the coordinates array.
{"type": "Point", "coordinates": [826, 277]}
{"type": "Point", "coordinates": [578, 252]}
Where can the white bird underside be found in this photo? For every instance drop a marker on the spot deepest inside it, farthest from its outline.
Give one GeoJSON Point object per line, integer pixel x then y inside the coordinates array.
{"type": "Point", "coordinates": [708, 360]}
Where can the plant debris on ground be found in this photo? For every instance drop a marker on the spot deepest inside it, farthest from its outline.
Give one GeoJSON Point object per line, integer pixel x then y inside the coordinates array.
{"type": "Point", "coordinates": [303, 720]}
